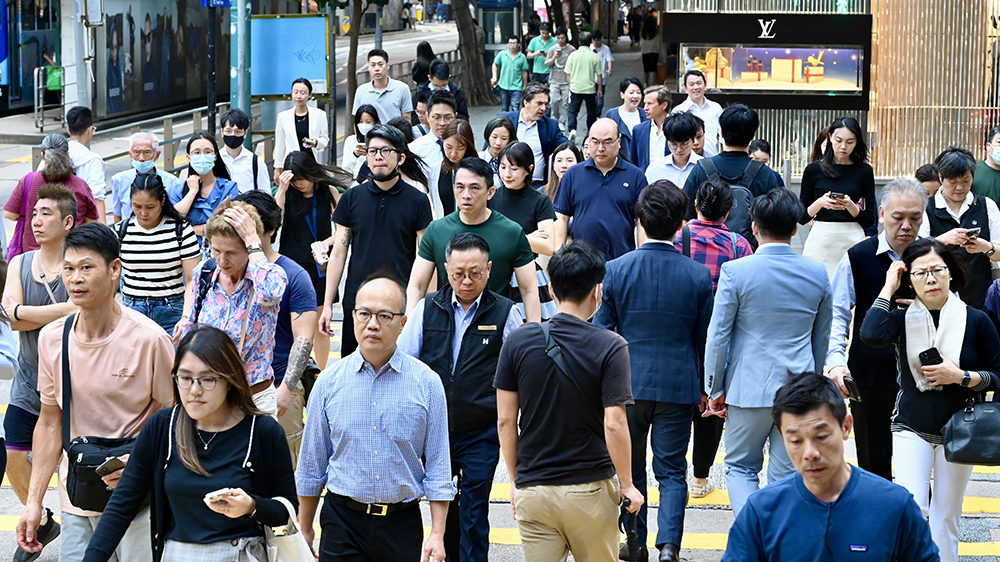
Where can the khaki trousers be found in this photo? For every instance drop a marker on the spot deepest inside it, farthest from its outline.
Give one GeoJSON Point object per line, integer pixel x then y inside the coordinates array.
{"type": "Point", "coordinates": [292, 422]}
{"type": "Point", "coordinates": [556, 520]}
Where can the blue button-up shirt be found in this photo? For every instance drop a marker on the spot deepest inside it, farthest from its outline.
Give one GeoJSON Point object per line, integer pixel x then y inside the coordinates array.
{"type": "Point", "coordinates": [368, 432]}
{"type": "Point", "coordinates": [412, 338]}
{"type": "Point", "coordinates": [121, 190]}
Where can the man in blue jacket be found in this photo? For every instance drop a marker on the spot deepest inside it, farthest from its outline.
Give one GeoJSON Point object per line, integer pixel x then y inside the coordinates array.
{"type": "Point", "coordinates": [661, 303]}
{"type": "Point", "coordinates": [541, 133]}
{"type": "Point", "coordinates": [649, 140]}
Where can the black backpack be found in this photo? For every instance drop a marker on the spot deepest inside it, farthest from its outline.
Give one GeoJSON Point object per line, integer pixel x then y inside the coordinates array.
{"type": "Point", "coordinates": [739, 217]}
{"type": "Point", "coordinates": [178, 230]}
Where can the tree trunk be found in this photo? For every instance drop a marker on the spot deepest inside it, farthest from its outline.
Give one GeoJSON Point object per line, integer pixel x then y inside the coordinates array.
{"type": "Point", "coordinates": [573, 29]}
{"type": "Point", "coordinates": [554, 8]}
{"type": "Point", "coordinates": [352, 62]}
{"type": "Point", "coordinates": [474, 79]}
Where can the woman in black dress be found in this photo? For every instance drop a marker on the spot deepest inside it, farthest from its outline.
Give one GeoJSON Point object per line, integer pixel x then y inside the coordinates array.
{"type": "Point", "coordinates": [422, 65]}
{"type": "Point", "coordinates": [308, 208]}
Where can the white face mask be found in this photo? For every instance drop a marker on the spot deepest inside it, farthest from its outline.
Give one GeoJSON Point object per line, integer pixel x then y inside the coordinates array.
{"type": "Point", "coordinates": [364, 128]}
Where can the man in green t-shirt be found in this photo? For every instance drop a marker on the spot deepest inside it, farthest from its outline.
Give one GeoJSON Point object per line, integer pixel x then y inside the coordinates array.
{"type": "Point", "coordinates": [581, 68]}
{"type": "Point", "coordinates": [510, 73]}
{"type": "Point", "coordinates": [538, 49]}
{"type": "Point", "coordinates": [510, 252]}
{"type": "Point", "coordinates": [987, 179]}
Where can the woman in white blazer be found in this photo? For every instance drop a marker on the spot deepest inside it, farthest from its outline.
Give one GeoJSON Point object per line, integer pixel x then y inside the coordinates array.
{"type": "Point", "coordinates": [299, 128]}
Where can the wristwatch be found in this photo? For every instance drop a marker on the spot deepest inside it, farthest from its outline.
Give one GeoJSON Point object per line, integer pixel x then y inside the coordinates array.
{"type": "Point", "coordinates": [966, 379]}
{"type": "Point", "coordinates": [253, 248]}
{"type": "Point", "coordinates": [993, 250]}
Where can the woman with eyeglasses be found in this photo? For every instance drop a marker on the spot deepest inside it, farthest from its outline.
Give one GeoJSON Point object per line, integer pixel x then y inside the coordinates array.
{"type": "Point", "coordinates": [208, 181]}
{"type": "Point", "coordinates": [306, 230]}
{"type": "Point", "coordinates": [948, 353]}
{"type": "Point", "coordinates": [211, 466]}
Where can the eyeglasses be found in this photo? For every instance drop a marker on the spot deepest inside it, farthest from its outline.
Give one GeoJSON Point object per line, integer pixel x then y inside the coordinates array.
{"type": "Point", "coordinates": [937, 272]}
{"type": "Point", "coordinates": [679, 145]}
{"type": "Point", "coordinates": [606, 143]}
{"type": "Point", "coordinates": [384, 317]}
{"type": "Point", "coordinates": [233, 131]}
{"type": "Point", "coordinates": [472, 275]}
{"type": "Point", "coordinates": [206, 383]}
{"type": "Point", "coordinates": [447, 117]}
{"type": "Point", "coordinates": [384, 151]}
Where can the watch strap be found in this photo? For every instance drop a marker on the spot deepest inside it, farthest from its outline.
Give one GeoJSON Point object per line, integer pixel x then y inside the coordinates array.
{"type": "Point", "coordinates": [966, 379]}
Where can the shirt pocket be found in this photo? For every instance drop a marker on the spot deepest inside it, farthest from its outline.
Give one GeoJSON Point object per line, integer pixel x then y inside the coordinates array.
{"type": "Point", "coordinates": [405, 424]}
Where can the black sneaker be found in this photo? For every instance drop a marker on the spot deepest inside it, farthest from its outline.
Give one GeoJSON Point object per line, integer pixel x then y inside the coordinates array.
{"type": "Point", "coordinates": [46, 534]}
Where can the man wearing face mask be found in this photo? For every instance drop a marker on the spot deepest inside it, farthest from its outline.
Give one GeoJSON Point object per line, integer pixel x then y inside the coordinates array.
{"type": "Point", "coordinates": [987, 178]}
{"type": "Point", "coordinates": [144, 151]}
{"type": "Point", "coordinates": [248, 169]}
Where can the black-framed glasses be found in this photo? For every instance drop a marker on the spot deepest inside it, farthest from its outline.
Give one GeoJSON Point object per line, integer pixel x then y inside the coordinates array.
{"type": "Point", "coordinates": [606, 143]}
{"type": "Point", "coordinates": [938, 272]}
{"type": "Point", "coordinates": [206, 383]}
{"type": "Point", "coordinates": [472, 275]}
{"type": "Point", "coordinates": [384, 151]}
{"type": "Point", "coordinates": [384, 317]}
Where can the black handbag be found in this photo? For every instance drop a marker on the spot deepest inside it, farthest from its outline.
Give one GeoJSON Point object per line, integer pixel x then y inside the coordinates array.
{"type": "Point", "coordinates": [85, 488]}
{"type": "Point", "coordinates": [972, 435]}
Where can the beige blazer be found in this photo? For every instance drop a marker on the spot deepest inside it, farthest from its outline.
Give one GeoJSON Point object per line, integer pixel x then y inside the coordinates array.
{"type": "Point", "coordinates": [286, 141]}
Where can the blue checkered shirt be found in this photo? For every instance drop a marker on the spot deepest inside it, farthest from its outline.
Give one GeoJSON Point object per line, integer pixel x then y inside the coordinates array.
{"type": "Point", "coordinates": [367, 432]}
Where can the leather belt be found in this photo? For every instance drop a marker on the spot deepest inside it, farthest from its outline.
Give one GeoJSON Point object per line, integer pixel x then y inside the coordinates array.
{"type": "Point", "coordinates": [261, 386]}
{"type": "Point", "coordinates": [377, 509]}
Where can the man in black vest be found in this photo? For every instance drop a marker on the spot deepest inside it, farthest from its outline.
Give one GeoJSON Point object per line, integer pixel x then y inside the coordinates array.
{"type": "Point", "coordinates": [458, 331]}
{"type": "Point", "coordinates": [859, 278]}
{"type": "Point", "coordinates": [969, 223]}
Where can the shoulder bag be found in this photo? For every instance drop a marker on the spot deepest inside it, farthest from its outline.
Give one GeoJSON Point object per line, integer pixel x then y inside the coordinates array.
{"type": "Point", "coordinates": [289, 545]}
{"type": "Point", "coordinates": [85, 488]}
{"type": "Point", "coordinates": [972, 435]}
{"type": "Point", "coordinates": [15, 248]}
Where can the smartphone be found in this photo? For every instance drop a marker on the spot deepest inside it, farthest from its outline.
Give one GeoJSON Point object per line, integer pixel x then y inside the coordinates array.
{"type": "Point", "coordinates": [217, 495]}
{"type": "Point", "coordinates": [837, 196]}
{"type": "Point", "coordinates": [973, 233]}
{"type": "Point", "coordinates": [905, 290]}
{"type": "Point", "coordinates": [109, 466]}
{"type": "Point", "coordinates": [852, 389]}
{"type": "Point", "coordinates": [930, 356]}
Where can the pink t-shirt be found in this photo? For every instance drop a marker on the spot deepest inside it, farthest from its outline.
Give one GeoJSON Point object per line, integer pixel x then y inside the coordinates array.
{"type": "Point", "coordinates": [86, 207]}
{"type": "Point", "coordinates": [118, 382]}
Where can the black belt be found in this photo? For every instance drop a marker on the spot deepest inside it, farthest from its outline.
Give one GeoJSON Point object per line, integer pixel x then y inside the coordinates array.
{"type": "Point", "coordinates": [379, 509]}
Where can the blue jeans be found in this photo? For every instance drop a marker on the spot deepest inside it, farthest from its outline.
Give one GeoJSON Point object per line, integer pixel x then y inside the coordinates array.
{"type": "Point", "coordinates": [600, 102]}
{"type": "Point", "coordinates": [510, 100]}
{"type": "Point", "coordinates": [164, 311]}
{"type": "Point", "coordinates": [474, 458]}
{"type": "Point", "coordinates": [746, 431]}
{"type": "Point", "coordinates": [671, 431]}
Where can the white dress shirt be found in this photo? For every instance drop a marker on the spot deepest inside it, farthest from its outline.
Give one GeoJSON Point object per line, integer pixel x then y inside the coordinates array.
{"type": "Point", "coordinates": [90, 168]}
{"type": "Point", "coordinates": [665, 169]}
{"type": "Point", "coordinates": [709, 112]}
{"type": "Point", "coordinates": [992, 214]}
{"type": "Point", "coordinates": [241, 170]}
{"type": "Point", "coordinates": [528, 134]}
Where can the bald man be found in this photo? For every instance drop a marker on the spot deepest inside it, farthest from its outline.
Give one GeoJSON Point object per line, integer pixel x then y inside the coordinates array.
{"type": "Point", "coordinates": [600, 194]}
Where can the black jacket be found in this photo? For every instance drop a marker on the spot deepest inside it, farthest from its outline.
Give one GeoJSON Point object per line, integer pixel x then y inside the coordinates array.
{"type": "Point", "coordinates": [462, 112]}
{"type": "Point", "coordinates": [270, 463]}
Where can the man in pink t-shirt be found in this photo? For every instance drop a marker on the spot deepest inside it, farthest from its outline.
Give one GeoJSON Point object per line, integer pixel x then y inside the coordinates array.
{"type": "Point", "coordinates": [120, 367]}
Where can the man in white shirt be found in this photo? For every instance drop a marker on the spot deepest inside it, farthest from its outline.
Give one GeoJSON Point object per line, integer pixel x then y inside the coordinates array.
{"type": "Point", "coordinates": [708, 110]}
{"type": "Point", "coordinates": [86, 163]}
{"type": "Point", "coordinates": [247, 169]}
{"type": "Point", "coordinates": [390, 97]}
{"type": "Point", "coordinates": [649, 143]}
{"type": "Point", "coordinates": [607, 61]}
{"type": "Point", "coordinates": [680, 130]}
{"type": "Point", "coordinates": [441, 110]}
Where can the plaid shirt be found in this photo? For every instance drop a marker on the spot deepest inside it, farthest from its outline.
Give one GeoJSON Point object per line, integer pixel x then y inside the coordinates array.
{"type": "Point", "coordinates": [712, 246]}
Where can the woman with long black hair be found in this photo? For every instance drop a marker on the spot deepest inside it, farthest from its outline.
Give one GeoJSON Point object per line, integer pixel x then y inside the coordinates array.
{"type": "Point", "coordinates": [353, 157]}
{"type": "Point", "coordinates": [306, 232]}
{"type": "Point", "coordinates": [457, 143]}
{"type": "Point", "coordinates": [208, 181]}
{"type": "Point", "coordinates": [422, 64]}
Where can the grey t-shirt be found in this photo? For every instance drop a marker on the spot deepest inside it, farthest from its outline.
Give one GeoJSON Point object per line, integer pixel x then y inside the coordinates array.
{"type": "Point", "coordinates": [24, 388]}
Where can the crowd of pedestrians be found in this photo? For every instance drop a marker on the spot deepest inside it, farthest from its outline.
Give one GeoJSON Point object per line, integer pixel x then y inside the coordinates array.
{"type": "Point", "coordinates": [512, 295]}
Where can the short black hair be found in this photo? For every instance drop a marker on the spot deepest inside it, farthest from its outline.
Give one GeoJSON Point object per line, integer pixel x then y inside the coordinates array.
{"type": "Point", "coordinates": [378, 53]}
{"type": "Point", "coordinates": [63, 196]}
{"type": "Point", "coordinates": [777, 213]}
{"type": "Point", "coordinates": [237, 118]}
{"type": "Point", "coordinates": [624, 84]}
{"type": "Point", "coordinates": [423, 96]}
{"type": "Point", "coordinates": [500, 122]}
{"type": "Point", "coordinates": [560, 31]}
{"type": "Point", "coordinates": [761, 145]}
{"type": "Point", "coordinates": [267, 208]}
{"type": "Point", "coordinates": [993, 132]}
{"type": "Point", "coordinates": [805, 393]}
{"type": "Point", "coordinates": [714, 200]}
{"type": "Point", "coordinates": [596, 35]}
{"type": "Point", "coordinates": [388, 133]}
{"type": "Point", "coordinates": [739, 125]}
{"type": "Point", "coordinates": [954, 162]}
{"type": "Point", "coordinates": [927, 172]}
{"type": "Point", "coordinates": [533, 89]}
{"type": "Point", "coordinates": [467, 241]}
{"type": "Point", "coordinates": [439, 69]}
{"type": "Point", "coordinates": [694, 72]}
{"type": "Point", "coordinates": [544, 27]}
{"type": "Point", "coordinates": [442, 97]}
{"type": "Point", "coordinates": [305, 82]}
{"type": "Point", "coordinates": [923, 246]}
{"type": "Point", "coordinates": [514, 37]}
{"type": "Point", "coordinates": [404, 127]}
{"type": "Point", "coordinates": [479, 167]}
{"type": "Point", "coordinates": [682, 126]}
{"type": "Point", "coordinates": [79, 119]}
{"type": "Point", "coordinates": [661, 209]}
{"type": "Point", "coordinates": [575, 270]}
{"type": "Point", "coordinates": [94, 236]}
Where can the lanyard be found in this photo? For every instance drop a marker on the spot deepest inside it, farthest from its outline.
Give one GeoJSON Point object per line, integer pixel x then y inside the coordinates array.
{"type": "Point", "coordinates": [314, 230]}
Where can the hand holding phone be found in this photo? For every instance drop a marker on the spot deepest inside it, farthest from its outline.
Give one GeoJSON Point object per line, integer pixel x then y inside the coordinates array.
{"type": "Point", "coordinates": [838, 196]}
{"type": "Point", "coordinates": [109, 466]}
{"type": "Point", "coordinates": [973, 233]}
{"type": "Point", "coordinates": [218, 495]}
{"type": "Point", "coordinates": [852, 389]}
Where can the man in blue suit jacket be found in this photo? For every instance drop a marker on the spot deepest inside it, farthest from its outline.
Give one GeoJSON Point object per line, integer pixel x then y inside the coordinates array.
{"type": "Point", "coordinates": [660, 301]}
{"type": "Point", "coordinates": [772, 317]}
{"type": "Point", "coordinates": [534, 128]}
{"type": "Point", "coordinates": [656, 104]}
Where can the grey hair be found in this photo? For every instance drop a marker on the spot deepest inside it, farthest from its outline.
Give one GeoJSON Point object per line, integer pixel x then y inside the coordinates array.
{"type": "Point", "coordinates": [55, 141]}
{"type": "Point", "coordinates": [904, 187]}
{"type": "Point", "coordinates": [153, 139]}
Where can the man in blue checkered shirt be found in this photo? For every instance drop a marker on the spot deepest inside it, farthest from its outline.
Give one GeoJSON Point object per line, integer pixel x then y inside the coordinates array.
{"type": "Point", "coordinates": [377, 440]}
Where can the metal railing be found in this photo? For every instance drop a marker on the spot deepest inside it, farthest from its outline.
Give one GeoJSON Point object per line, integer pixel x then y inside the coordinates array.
{"type": "Point", "coordinates": [403, 71]}
{"type": "Point", "coordinates": [40, 82]}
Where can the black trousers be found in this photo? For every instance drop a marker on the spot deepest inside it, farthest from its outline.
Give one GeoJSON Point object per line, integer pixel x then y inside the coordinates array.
{"type": "Point", "coordinates": [707, 434]}
{"type": "Point", "coordinates": [872, 435]}
{"type": "Point", "coordinates": [352, 536]}
{"type": "Point", "coordinates": [348, 343]}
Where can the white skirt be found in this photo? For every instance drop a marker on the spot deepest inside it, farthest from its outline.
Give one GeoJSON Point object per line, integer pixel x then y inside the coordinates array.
{"type": "Point", "coordinates": [828, 242]}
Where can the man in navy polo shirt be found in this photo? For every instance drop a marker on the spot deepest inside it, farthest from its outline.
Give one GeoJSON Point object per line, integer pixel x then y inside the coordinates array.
{"type": "Point", "coordinates": [600, 194]}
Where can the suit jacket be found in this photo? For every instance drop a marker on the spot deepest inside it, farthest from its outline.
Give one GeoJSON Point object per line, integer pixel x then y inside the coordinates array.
{"type": "Point", "coordinates": [462, 112]}
{"type": "Point", "coordinates": [626, 134]}
{"type": "Point", "coordinates": [639, 152]}
{"type": "Point", "coordinates": [660, 301]}
{"type": "Point", "coordinates": [285, 139]}
{"type": "Point", "coordinates": [772, 317]}
{"type": "Point", "coordinates": [548, 132]}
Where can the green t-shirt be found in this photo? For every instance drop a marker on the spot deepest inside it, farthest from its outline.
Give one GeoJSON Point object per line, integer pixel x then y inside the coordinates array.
{"type": "Point", "coordinates": [537, 44]}
{"type": "Point", "coordinates": [583, 65]}
{"type": "Point", "coordinates": [986, 182]}
{"type": "Point", "coordinates": [509, 247]}
{"type": "Point", "coordinates": [510, 77]}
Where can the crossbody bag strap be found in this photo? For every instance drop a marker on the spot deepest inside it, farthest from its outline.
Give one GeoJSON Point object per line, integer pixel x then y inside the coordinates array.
{"type": "Point", "coordinates": [554, 351]}
{"type": "Point", "coordinates": [686, 240]}
{"type": "Point", "coordinates": [45, 280]}
{"type": "Point", "coordinates": [67, 389]}
{"type": "Point", "coordinates": [246, 320]}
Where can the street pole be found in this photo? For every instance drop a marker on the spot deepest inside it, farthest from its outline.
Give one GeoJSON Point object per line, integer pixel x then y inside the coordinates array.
{"type": "Point", "coordinates": [212, 25]}
{"type": "Point", "coordinates": [378, 24]}
{"type": "Point", "coordinates": [239, 57]}
{"type": "Point", "coordinates": [331, 14]}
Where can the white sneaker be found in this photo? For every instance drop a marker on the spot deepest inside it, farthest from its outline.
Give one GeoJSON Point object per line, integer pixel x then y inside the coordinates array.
{"type": "Point", "coordinates": [572, 136]}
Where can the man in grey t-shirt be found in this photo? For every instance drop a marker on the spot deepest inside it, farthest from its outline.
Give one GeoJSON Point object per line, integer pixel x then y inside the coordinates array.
{"type": "Point", "coordinates": [391, 98]}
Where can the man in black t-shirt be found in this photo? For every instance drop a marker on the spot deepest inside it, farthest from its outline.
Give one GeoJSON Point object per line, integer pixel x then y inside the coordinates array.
{"type": "Point", "coordinates": [560, 462]}
{"type": "Point", "coordinates": [381, 220]}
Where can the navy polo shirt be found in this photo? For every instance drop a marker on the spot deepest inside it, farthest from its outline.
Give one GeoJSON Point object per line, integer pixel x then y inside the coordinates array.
{"type": "Point", "coordinates": [602, 206]}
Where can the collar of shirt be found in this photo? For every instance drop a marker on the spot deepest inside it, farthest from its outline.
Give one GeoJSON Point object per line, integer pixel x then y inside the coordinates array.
{"type": "Point", "coordinates": [589, 163]}
{"type": "Point", "coordinates": [655, 241]}
{"type": "Point", "coordinates": [520, 120]}
{"type": "Point", "coordinates": [941, 203]}
{"type": "Point", "coordinates": [457, 306]}
{"type": "Point", "coordinates": [399, 185]}
{"type": "Point", "coordinates": [389, 86]}
{"type": "Point", "coordinates": [447, 88]}
{"type": "Point", "coordinates": [692, 160]}
{"type": "Point", "coordinates": [884, 247]}
{"type": "Point", "coordinates": [244, 153]}
{"type": "Point", "coordinates": [770, 244]}
{"type": "Point", "coordinates": [360, 364]}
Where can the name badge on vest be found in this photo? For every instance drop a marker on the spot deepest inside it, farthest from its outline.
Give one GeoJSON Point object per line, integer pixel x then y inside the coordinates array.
{"type": "Point", "coordinates": [487, 328]}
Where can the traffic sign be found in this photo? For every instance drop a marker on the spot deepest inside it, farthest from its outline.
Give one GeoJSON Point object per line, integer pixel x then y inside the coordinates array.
{"type": "Point", "coordinates": [216, 3]}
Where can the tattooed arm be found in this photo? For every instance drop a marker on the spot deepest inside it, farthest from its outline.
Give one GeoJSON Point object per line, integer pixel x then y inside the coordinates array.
{"type": "Point", "coordinates": [303, 330]}
{"type": "Point", "coordinates": [334, 272]}
{"type": "Point", "coordinates": [298, 357]}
